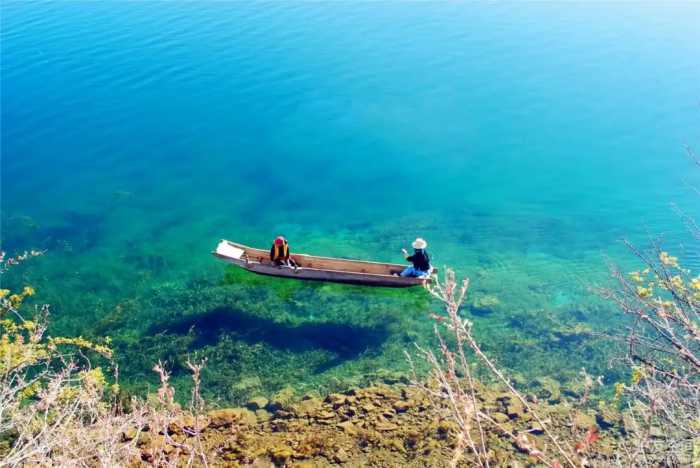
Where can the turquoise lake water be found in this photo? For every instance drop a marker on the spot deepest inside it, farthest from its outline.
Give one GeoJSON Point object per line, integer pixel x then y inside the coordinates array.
{"type": "Point", "coordinates": [523, 141]}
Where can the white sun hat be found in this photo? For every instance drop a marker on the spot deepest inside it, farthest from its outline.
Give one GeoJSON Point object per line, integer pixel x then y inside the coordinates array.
{"type": "Point", "coordinates": [419, 243]}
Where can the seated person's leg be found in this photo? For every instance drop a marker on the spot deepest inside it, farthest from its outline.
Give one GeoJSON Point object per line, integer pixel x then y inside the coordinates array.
{"type": "Point", "coordinates": [408, 272]}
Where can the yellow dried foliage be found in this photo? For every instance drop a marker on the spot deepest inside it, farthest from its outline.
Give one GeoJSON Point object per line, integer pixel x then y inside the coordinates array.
{"type": "Point", "coordinates": [677, 282]}
{"type": "Point", "coordinates": [80, 342]}
{"type": "Point", "coordinates": [636, 277]}
{"type": "Point", "coordinates": [619, 390]}
{"type": "Point", "coordinates": [695, 283]}
{"type": "Point", "coordinates": [668, 260]}
{"type": "Point", "coordinates": [644, 292]}
{"type": "Point", "coordinates": [22, 344]}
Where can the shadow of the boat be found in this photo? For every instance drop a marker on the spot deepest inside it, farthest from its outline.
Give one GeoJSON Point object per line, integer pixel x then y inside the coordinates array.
{"type": "Point", "coordinates": [344, 341]}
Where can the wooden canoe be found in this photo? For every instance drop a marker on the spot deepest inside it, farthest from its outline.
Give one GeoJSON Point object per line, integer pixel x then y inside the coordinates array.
{"type": "Point", "coordinates": [310, 267]}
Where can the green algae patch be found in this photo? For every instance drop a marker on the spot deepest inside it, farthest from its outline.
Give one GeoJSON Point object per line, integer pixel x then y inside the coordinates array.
{"type": "Point", "coordinates": [319, 336]}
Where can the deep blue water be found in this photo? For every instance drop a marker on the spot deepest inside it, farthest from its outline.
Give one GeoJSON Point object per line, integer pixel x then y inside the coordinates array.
{"type": "Point", "coordinates": [522, 140]}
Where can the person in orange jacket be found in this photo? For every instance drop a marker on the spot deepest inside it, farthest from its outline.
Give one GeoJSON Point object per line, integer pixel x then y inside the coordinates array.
{"type": "Point", "coordinates": [279, 253]}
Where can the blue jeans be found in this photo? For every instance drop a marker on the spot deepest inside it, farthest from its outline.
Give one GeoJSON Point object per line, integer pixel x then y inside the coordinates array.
{"type": "Point", "coordinates": [413, 272]}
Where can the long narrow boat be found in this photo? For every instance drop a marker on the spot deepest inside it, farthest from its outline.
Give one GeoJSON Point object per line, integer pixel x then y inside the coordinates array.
{"type": "Point", "coordinates": [310, 267]}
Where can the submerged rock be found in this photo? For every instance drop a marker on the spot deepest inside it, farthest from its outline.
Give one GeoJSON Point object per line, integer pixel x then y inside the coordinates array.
{"type": "Point", "coordinates": [386, 426]}
{"type": "Point", "coordinates": [390, 377]}
{"type": "Point", "coordinates": [188, 424]}
{"type": "Point", "coordinates": [222, 417]}
{"type": "Point", "coordinates": [230, 416]}
{"type": "Point", "coordinates": [245, 416]}
{"type": "Point", "coordinates": [307, 407]}
{"type": "Point", "coordinates": [375, 426]}
{"type": "Point", "coordinates": [341, 456]}
{"type": "Point", "coordinates": [282, 399]}
{"type": "Point", "coordinates": [257, 403]}
{"type": "Point", "coordinates": [324, 415]}
{"type": "Point", "coordinates": [348, 427]}
{"type": "Point", "coordinates": [485, 304]}
{"type": "Point", "coordinates": [607, 417]}
{"type": "Point", "coordinates": [263, 415]}
{"type": "Point", "coordinates": [584, 420]}
{"type": "Point", "coordinates": [446, 427]}
{"type": "Point", "coordinates": [536, 428]}
{"type": "Point", "coordinates": [510, 405]}
{"type": "Point", "coordinates": [548, 389]}
{"type": "Point", "coordinates": [244, 387]}
{"type": "Point", "coordinates": [401, 406]}
{"type": "Point", "coordinates": [280, 455]}
{"type": "Point", "coordinates": [130, 434]}
{"type": "Point", "coordinates": [515, 408]}
{"type": "Point", "coordinates": [336, 399]}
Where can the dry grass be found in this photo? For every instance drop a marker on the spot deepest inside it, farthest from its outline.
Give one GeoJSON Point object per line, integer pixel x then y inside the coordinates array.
{"type": "Point", "coordinates": [456, 386]}
{"type": "Point", "coordinates": [56, 409]}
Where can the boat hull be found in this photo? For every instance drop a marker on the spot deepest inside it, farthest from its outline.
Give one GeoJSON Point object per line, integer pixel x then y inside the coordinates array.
{"type": "Point", "coordinates": [314, 268]}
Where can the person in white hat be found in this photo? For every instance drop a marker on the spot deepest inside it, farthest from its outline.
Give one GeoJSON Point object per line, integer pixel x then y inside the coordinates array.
{"type": "Point", "coordinates": [420, 260]}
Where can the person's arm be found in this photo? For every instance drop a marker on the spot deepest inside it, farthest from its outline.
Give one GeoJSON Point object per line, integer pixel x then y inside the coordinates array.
{"type": "Point", "coordinates": [405, 254]}
{"type": "Point", "coordinates": [272, 253]}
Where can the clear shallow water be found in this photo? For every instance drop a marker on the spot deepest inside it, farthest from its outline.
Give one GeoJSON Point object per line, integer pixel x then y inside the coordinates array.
{"type": "Point", "coordinates": [523, 141]}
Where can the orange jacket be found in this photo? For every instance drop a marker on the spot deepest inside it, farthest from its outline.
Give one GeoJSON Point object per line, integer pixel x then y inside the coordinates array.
{"type": "Point", "coordinates": [279, 252]}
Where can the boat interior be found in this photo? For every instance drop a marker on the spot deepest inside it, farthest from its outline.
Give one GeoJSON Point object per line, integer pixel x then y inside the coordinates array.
{"type": "Point", "coordinates": [250, 254]}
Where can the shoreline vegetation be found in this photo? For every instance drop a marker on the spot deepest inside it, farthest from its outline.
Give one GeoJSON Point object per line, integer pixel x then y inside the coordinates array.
{"type": "Point", "coordinates": [57, 408]}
